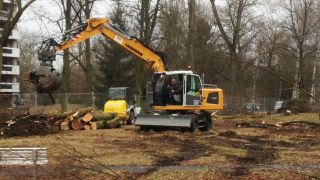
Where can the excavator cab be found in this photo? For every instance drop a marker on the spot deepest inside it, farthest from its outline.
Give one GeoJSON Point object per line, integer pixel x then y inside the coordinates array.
{"type": "Point", "coordinates": [179, 88]}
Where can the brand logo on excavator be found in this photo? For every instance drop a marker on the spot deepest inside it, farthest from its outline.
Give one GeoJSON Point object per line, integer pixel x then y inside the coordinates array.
{"type": "Point", "coordinates": [134, 50]}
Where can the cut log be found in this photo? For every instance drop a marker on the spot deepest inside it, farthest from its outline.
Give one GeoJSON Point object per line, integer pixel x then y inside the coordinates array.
{"type": "Point", "coordinates": [94, 126]}
{"type": "Point", "coordinates": [103, 124]}
{"type": "Point", "coordinates": [76, 125]}
{"type": "Point", "coordinates": [87, 127]}
{"type": "Point", "coordinates": [82, 112]}
{"type": "Point", "coordinates": [59, 116]}
{"type": "Point", "coordinates": [100, 124]}
{"type": "Point", "coordinates": [102, 116]}
{"type": "Point", "coordinates": [64, 125]}
{"type": "Point", "coordinates": [114, 123]}
{"type": "Point", "coordinates": [87, 117]}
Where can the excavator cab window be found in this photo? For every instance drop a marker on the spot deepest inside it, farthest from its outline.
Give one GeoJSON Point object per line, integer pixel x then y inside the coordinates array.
{"type": "Point", "coordinates": [193, 90]}
{"type": "Point", "coordinates": [174, 89]}
{"type": "Point", "coordinates": [158, 89]}
{"type": "Point", "coordinates": [168, 89]}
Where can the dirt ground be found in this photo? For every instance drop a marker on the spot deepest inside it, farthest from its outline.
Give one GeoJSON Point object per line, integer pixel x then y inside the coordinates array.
{"type": "Point", "coordinates": [229, 151]}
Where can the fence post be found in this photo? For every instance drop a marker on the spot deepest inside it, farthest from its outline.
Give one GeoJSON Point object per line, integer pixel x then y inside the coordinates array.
{"type": "Point", "coordinates": [264, 104]}
{"type": "Point", "coordinates": [67, 103]}
{"type": "Point", "coordinates": [92, 98]}
{"type": "Point", "coordinates": [36, 99]}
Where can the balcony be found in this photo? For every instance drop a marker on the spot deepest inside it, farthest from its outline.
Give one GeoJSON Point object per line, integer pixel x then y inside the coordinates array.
{"type": "Point", "coordinates": [11, 69]}
{"type": "Point", "coordinates": [11, 52]}
{"type": "Point", "coordinates": [10, 87]}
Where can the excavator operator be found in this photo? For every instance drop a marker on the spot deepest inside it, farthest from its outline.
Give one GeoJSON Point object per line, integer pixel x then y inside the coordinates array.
{"type": "Point", "coordinates": [174, 91]}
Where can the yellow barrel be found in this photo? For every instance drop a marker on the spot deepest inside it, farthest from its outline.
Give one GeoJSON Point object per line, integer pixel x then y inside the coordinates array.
{"type": "Point", "coordinates": [118, 107]}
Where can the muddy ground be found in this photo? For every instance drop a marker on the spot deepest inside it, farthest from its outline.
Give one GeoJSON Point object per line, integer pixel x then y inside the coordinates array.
{"type": "Point", "coordinates": [229, 151]}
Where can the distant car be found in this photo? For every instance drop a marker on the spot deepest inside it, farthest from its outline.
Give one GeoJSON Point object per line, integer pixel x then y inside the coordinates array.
{"type": "Point", "coordinates": [278, 105]}
{"type": "Point", "coordinates": [252, 106]}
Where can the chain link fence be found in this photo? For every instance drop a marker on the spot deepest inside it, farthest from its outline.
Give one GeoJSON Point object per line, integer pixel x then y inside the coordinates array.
{"type": "Point", "coordinates": [36, 100]}
{"type": "Point", "coordinates": [43, 102]}
{"type": "Point", "coordinates": [242, 105]}
{"type": "Point", "coordinates": [232, 105]}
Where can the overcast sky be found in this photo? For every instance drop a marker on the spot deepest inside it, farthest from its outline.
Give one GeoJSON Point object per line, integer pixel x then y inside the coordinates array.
{"type": "Point", "coordinates": [40, 17]}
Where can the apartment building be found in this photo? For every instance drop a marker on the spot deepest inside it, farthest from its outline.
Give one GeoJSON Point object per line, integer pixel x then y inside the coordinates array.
{"type": "Point", "coordinates": [9, 81]}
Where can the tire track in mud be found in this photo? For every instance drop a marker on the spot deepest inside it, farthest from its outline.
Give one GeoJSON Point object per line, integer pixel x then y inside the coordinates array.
{"type": "Point", "coordinates": [260, 152]}
{"type": "Point", "coordinates": [189, 149]}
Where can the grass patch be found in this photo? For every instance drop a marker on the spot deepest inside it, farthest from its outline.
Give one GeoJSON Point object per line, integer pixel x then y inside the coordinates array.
{"type": "Point", "coordinates": [128, 146]}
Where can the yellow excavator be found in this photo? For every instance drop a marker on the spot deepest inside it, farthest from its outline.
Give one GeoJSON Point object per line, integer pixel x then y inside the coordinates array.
{"type": "Point", "coordinates": [179, 98]}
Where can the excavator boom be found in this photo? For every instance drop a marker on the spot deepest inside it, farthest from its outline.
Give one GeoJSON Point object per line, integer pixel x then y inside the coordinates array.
{"type": "Point", "coordinates": [95, 26]}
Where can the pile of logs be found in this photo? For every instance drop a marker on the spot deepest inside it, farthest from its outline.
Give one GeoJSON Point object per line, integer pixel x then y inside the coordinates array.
{"type": "Point", "coordinates": [82, 119]}
{"type": "Point", "coordinates": [88, 119]}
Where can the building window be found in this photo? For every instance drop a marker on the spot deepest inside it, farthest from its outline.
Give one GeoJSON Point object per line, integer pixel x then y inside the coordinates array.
{"type": "Point", "coordinates": [7, 61]}
{"type": "Point", "coordinates": [6, 86]}
{"type": "Point", "coordinates": [6, 68]}
{"type": "Point", "coordinates": [8, 51]}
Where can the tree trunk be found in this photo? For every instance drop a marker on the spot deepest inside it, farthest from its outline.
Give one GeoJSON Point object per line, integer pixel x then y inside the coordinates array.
{"type": "Point", "coordinates": [233, 83]}
{"type": "Point", "coordinates": [65, 81]}
{"type": "Point", "coordinates": [313, 86]}
{"type": "Point", "coordinates": [192, 29]}
{"type": "Point", "coordinates": [66, 65]}
{"type": "Point", "coordinates": [296, 86]}
{"type": "Point", "coordinates": [88, 51]}
{"type": "Point", "coordinates": [140, 82]}
{"type": "Point", "coordinates": [89, 65]}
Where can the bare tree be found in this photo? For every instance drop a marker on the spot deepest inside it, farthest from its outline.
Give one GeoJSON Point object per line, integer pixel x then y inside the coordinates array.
{"type": "Point", "coordinates": [10, 20]}
{"type": "Point", "coordinates": [28, 59]}
{"type": "Point", "coordinates": [302, 26]}
{"type": "Point", "coordinates": [238, 30]}
{"type": "Point", "coordinates": [173, 33]}
{"type": "Point", "coordinates": [72, 16]}
{"type": "Point", "coordinates": [146, 15]}
{"type": "Point", "coordinates": [268, 45]}
{"type": "Point", "coordinates": [83, 9]}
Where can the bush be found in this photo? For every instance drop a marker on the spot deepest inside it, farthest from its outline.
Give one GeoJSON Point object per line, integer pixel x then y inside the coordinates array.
{"type": "Point", "coordinates": [296, 106]}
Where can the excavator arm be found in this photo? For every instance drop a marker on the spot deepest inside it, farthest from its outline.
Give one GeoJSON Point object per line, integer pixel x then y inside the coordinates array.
{"type": "Point", "coordinates": [104, 26]}
{"type": "Point", "coordinates": [45, 79]}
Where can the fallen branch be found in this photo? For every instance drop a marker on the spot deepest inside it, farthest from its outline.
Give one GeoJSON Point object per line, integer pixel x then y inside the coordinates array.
{"type": "Point", "coordinates": [276, 125]}
{"type": "Point", "coordinates": [300, 122]}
